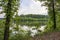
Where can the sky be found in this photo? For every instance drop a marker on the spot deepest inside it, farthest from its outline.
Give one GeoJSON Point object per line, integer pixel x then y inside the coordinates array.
{"type": "Point", "coordinates": [30, 7]}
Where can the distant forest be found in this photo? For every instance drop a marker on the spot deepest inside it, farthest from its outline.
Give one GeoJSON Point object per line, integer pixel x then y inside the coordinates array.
{"type": "Point", "coordinates": [32, 19]}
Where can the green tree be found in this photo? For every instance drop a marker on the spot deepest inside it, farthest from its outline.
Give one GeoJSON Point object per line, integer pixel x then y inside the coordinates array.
{"type": "Point", "coordinates": [52, 11]}
{"type": "Point", "coordinates": [10, 7]}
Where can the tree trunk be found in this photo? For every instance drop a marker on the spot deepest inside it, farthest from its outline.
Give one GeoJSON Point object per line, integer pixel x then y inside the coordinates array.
{"type": "Point", "coordinates": [54, 14]}
{"type": "Point", "coordinates": [8, 18]}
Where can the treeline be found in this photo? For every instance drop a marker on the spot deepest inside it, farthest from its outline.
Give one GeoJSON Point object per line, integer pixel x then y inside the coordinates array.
{"type": "Point", "coordinates": [34, 16]}
{"type": "Point", "coordinates": [32, 20]}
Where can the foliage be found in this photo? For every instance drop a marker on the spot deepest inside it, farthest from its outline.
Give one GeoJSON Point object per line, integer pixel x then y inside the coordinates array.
{"type": "Point", "coordinates": [9, 8]}
{"type": "Point", "coordinates": [48, 3]}
{"type": "Point", "coordinates": [31, 20]}
{"type": "Point", "coordinates": [1, 29]}
{"type": "Point", "coordinates": [16, 33]}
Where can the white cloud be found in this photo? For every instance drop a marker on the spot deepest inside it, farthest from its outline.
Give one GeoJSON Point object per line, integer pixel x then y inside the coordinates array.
{"type": "Point", "coordinates": [34, 8]}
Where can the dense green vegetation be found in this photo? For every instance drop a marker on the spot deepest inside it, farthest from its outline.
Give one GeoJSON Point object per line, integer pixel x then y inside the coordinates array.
{"type": "Point", "coordinates": [23, 20]}
{"type": "Point", "coordinates": [10, 29]}
{"type": "Point", "coordinates": [32, 20]}
{"type": "Point", "coordinates": [1, 29]}
{"type": "Point", "coordinates": [53, 12]}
